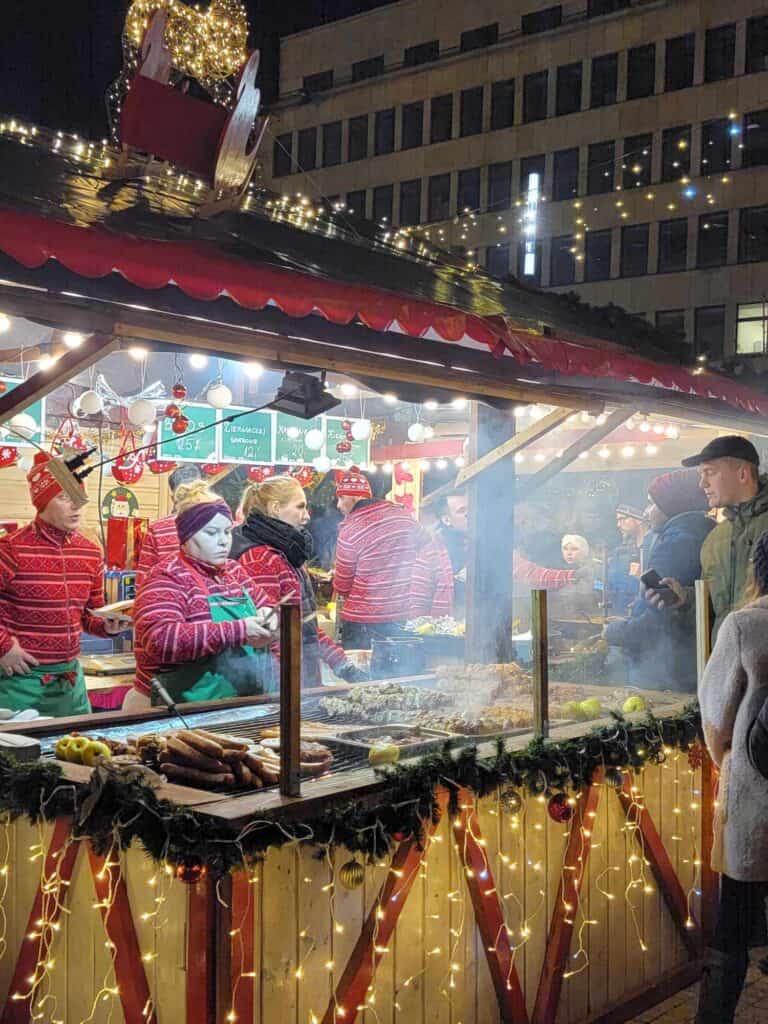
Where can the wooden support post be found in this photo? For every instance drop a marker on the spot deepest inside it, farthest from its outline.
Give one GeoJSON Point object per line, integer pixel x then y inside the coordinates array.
{"type": "Point", "coordinates": [703, 627]}
{"type": "Point", "coordinates": [540, 652]}
{"type": "Point", "coordinates": [201, 952]}
{"type": "Point", "coordinates": [290, 699]}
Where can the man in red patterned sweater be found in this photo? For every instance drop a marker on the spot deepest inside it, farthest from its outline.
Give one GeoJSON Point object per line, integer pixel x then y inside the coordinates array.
{"type": "Point", "coordinates": [51, 582]}
{"type": "Point", "coordinates": [161, 538]}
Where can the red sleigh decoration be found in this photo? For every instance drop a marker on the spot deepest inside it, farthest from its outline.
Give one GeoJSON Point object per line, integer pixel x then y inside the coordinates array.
{"type": "Point", "coordinates": [128, 467]}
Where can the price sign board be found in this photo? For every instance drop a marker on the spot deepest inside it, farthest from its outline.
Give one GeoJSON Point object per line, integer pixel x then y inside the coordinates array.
{"type": "Point", "coordinates": [248, 439]}
{"type": "Point", "coordinates": [290, 434]}
{"type": "Point", "coordinates": [202, 447]}
{"type": "Point", "coordinates": [36, 411]}
{"type": "Point", "coordinates": [334, 434]}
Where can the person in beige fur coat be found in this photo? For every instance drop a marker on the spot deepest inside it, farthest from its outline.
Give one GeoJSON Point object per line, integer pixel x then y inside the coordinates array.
{"type": "Point", "coordinates": [731, 693]}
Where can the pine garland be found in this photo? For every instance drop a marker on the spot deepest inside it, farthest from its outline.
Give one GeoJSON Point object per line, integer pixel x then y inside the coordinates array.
{"type": "Point", "coordinates": [119, 805]}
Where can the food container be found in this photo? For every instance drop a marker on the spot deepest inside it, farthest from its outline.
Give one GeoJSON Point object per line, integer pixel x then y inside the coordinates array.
{"type": "Point", "coordinates": [394, 657]}
{"type": "Point", "coordinates": [412, 740]}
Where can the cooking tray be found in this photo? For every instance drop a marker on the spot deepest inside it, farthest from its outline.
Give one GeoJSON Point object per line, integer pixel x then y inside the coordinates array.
{"type": "Point", "coordinates": [364, 737]}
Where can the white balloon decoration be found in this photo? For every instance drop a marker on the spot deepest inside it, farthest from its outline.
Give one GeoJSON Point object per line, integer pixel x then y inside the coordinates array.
{"type": "Point", "coordinates": [219, 396]}
{"type": "Point", "coordinates": [25, 464]}
{"type": "Point", "coordinates": [292, 433]}
{"type": "Point", "coordinates": [361, 430]}
{"type": "Point", "coordinates": [23, 425]}
{"type": "Point", "coordinates": [416, 432]}
{"type": "Point", "coordinates": [314, 439]}
{"type": "Point", "coordinates": [90, 403]}
{"type": "Point", "coordinates": [141, 412]}
{"type": "Point", "coordinates": [322, 463]}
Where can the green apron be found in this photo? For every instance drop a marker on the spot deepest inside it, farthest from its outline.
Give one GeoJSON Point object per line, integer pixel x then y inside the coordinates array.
{"type": "Point", "coordinates": [57, 690]}
{"type": "Point", "coordinates": [212, 678]}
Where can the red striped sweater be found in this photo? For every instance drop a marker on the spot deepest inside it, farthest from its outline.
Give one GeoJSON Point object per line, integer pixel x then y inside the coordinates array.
{"type": "Point", "coordinates": [160, 541]}
{"type": "Point", "coordinates": [386, 567]}
{"type": "Point", "coordinates": [50, 582]}
{"type": "Point", "coordinates": [539, 578]}
{"type": "Point", "coordinates": [172, 620]}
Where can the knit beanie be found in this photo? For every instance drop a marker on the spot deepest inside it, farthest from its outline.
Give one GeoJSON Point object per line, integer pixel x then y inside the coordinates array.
{"type": "Point", "coordinates": [760, 562]}
{"type": "Point", "coordinates": [575, 540]}
{"type": "Point", "coordinates": [42, 484]}
{"type": "Point", "coordinates": [353, 484]}
{"type": "Point", "coordinates": [678, 492]}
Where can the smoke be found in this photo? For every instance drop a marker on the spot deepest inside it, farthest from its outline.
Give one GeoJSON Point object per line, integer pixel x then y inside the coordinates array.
{"type": "Point", "coordinates": [248, 674]}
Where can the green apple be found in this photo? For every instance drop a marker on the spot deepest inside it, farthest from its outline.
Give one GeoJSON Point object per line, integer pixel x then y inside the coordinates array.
{"type": "Point", "coordinates": [591, 708]}
{"type": "Point", "coordinates": [384, 753]}
{"type": "Point", "coordinates": [76, 749]}
{"type": "Point", "coordinates": [572, 709]}
{"type": "Point", "coordinates": [634, 703]}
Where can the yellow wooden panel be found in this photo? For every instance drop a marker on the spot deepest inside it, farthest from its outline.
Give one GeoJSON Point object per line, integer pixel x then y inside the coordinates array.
{"type": "Point", "coordinates": [489, 818]}
{"type": "Point", "coordinates": [436, 924]}
{"type": "Point", "coordinates": [599, 880]}
{"type": "Point", "coordinates": [315, 934]}
{"type": "Point", "coordinates": [279, 947]}
{"type": "Point", "coordinates": [349, 912]}
{"type": "Point", "coordinates": [408, 953]}
{"type": "Point", "coordinates": [538, 908]}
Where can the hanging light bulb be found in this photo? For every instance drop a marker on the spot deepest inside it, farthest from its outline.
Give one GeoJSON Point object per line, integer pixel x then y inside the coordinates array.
{"type": "Point", "coordinates": [627, 451]}
{"type": "Point", "coordinates": [425, 465]}
{"type": "Point", "coordinates": [645, 426]}
{"type": "Point", "coordinates": [459, 461]}
{"type": "Point", "coordinates": [460, 403]}
{"type": "Point", "coordinates": [253, 370]}
{"type": "Point", "coordinates": [604, 453]}
{"type": "Point", "coordinates": [5, 323]}
{"type": "Point", "coordinates": [651, 449]}
{"type": "Point", "coordinates": [73, 339]}
{"type": "Point", "coordinates": [442, 464]}
{"type": "Point", "coordinates": [138, 353]}
{"type": "Point", "coordinates": [390, 398]}
{"type": "Point", "coordinates": [672, 432]}
{"type": "Point", "coordinates": [430, 404]}
{"type": "Point", "coordinates": [198, 361]}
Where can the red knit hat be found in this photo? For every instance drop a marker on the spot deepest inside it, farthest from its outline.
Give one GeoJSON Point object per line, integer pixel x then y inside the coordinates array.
{"type": "Point", "coordinates": [42, 485]}
{"type": "Point", "coordinates": [353, 484]}
{"type": "Point", "coordinates": [678, 492]}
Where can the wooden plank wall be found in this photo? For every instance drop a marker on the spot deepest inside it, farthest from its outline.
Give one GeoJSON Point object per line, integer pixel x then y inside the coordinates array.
{"type": "Point", "coordinates": [305, 923]}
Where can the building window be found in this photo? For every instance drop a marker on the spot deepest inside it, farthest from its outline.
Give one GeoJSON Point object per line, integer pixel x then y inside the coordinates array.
{"type": "Point", "coordinates": [565, 181]}
{"type": "Point", "coordinates": [356, 202]}
{"type": "Point", "coordinates": [634, 250]}
{"type": "Point", "coordinates": [678, 70]}
{"type": "Point", "coordinates": [719, 53]}
{"type": "Point", "coordinates": [500, 186]}
{"type": "Point", "coordinates": [752, 329]}
{"type": "Point", "coordinates": [412, 125]}
{"type": "Point", "coordinates": [357, 142]}
{"type": "Point", "coordinates": [503, 104]}
{"type": "Point", "coordinates": [562, 264]}
{"type": "Point", "coordinates": [479, 38]}
{"type": "Point", "coordinates": [673, 245]}
{"type": "Point", "coordinates": [532, 165]}
{"type": "Point", "coordinates": [308, 149]}
{"type": "Point", "coordinates": [568, 98]}
{"type": "Point", "coordinates": [600, 160]}
{"type": "Point", "coordinates": [597, 7]}
{"type": "Point", "coordinates": [712, 246]}
{"type": "Point", "coordinates": [755, 139]}
{"type": "Point", "coordinates": [471, 112]}
{"type": "Point", "coordinates": [410, 202]}
{"type": "Point", "coordinates": [468, 192]}
{"type": "Point", "coordinates": [636, 164]}
{"type": "Point", "coordinates": [716, 146]}
{"type": "Point", "coordinates": [439, 197]}
{"type": "Point", "coordinates": [384, 132]}
{"type": "Point", "coordinates": [332, 144]}
{"type": "Point", "coordinates": [422, 53]}
{"type": "Point", "coordinates": [605, 78]}
{"type": "Point", "coordinates": [441, 118]}
{"type": "Point", "coordinates": [675, 152]}
{"type": "Point", "coordinates": [757, 44]}
{"type": "Point", "coordinates": [318, 82]}
{"type": "Point", "coordinates": [282, 155]}
{"type": "Point", "coordinates": [535, 96]}
{"type": "Point", "coordinates": [529, 264]}
{"type": "Point", "coordinates": [753, 234]}
{"type": "Point", "coordinates": [370, 68]}
{"type": "Point", "coordinates": [497, 259]}
{"type": "Point", "coordinates": [597, 265]}
{"type": "Point", "coordinates": [542, 21]}
{"type": "Point", "coordinates": [641, 71]}
{"type": "Point", "coordinates": [382, 203]}
{"type": "Point", "coordinates": [672, 323]}
{"type": "Point", "coordinates": [709, 330]}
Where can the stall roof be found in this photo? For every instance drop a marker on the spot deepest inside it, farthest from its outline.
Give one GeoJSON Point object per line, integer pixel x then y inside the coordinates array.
{"type": "Point", "coordinates": [58, 204]}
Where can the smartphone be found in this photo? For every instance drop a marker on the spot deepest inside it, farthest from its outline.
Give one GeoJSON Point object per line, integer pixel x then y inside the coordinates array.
{"type": "Point", "coordinates": [652, 581]}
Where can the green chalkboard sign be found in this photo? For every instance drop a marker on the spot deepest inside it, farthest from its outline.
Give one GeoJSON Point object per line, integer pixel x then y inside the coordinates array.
{"type": "Point", "coordinates": [248, 439]}
{"type": "Point", "coordinates": [334, 433]}
{"type": "Point", "coordinates": [36, 411]}
{"type": "Point", "coordinates": [289, 438]}
{"type": "Point", "coordinates": [202, 447]}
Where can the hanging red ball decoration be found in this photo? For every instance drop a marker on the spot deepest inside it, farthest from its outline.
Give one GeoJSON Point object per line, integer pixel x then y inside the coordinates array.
{"type": "Point", "coordinates": [559, 809]}
{"type": "Point", "coordinates": [179, 390]}
{"type": "Point", "coordinates": [180, 425]}
{"type": "Point", "coordinates": [3, 387]}
{"type": "Point", "coordinates": [343, 447]}
{"type": "Point", "coordinates": [172, 411]}
{"type": "Point", "coordinates": [191, 873]}
{"type": "Point", "coordinates": [695, 755]}
{"type": "Point", "coordinates": [346, 425]}
{"type": "Point", "coordinates": [350, 436]}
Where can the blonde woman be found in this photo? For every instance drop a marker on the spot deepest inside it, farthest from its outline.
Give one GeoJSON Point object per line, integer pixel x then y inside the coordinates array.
{"type": "Point", "coordinates": [273, 547]}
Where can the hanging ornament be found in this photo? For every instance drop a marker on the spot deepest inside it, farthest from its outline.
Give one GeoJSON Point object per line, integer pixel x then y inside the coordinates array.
{"type": "Point", "coordinates": [191, 873]}
{"type": "Point", "coordinates": [695, 755]}
{"type": "Point", "coordinates": [180, 424]}
{"type": "Point", "coordinates": [352, 874]}
{"type": "Point", "coordinates": [304, 475]}
{"type": "Point", "coordinates": [346, 425]}
{"type": "Point", "coordinates": [8, 456]}
{"type": "Point", "coordinates": [559, 809]}
{"type": "Point", "coordinates": [158, 466]}
{"type": "Point", "coordinates": [361, 430]}
{"type": "Point", "coordinates": [90, 403]}
{"type": "Point", "coordinates": [511, 801]}
{"type": "Point", "coordinates": [141, 412]}
{"type": "Point", "coordinates": [172, 411]}
{"type": "Point", "coordinates": [416, 433]}
{"type": "Point", "coordinates": [614, 777]}
{"type": "Point", "coordinates": [179, 391]}
{"type": "Point", "coordinates": [3, 387]}
{"type": "Point", "coordinates": [343, 447]}
{"type": "Point", "coordinates": [350, 436]}
{"type": "Point", "coordinates": [314, 439]}
{"type": "Point", "coordinates": [218, 395]}
{"type": "Point", "coordinates": [322, 463]}
{"type": "Point", "coordinates": [256, 474]}
{"type": "Point", "coordinates": [23, 425]}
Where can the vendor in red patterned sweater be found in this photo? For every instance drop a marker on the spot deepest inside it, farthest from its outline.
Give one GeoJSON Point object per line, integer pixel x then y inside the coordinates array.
{"type": "Point", "coordinates": [51, 583]}
{"type": "Point", "coordinates": [388, 567]}
{"type": "Point", "coordinates": [202, 626]}
{"type": "Point", "coordinates": [161, 538]}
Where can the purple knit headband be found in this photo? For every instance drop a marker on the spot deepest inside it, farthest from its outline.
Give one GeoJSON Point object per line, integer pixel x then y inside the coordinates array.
{"type": "Point", "coordinates": [194, 519]}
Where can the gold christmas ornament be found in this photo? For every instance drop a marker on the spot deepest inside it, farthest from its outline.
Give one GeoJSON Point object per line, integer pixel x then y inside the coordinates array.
{"type": "Point", "coordinates": [352, 874]}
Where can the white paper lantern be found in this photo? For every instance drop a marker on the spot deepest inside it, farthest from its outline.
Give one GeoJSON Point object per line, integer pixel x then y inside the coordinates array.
{"type": "Point", "coordinates": [292, 433]}
{"type": "Point", "coordinates": [25, 464]}
{"type": "Point", "coordinates": [322, 463]}
{"type": "Point", "coordinates": [23, 425]}
{"type": "Point", "coordinates": [313, 439]}
{"type": "Point", "coordinates": [361, 430]}
{"type": "Point", "coordinates": [219, 396]}
{"type": "Point", "coordinates": [416, 433]}
{"type": "Point", "coordinates": [90, 403]}
{"type": "Point", "coordinates": [141, 412]}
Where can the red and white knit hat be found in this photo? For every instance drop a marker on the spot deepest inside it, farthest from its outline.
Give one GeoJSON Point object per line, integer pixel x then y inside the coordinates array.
{"type": "Point", "coordinates": [42, 485]}
{"type": "Point", "coordinates": [353, 484]}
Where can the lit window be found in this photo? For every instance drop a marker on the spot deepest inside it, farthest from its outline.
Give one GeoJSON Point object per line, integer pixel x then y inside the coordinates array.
{"type": "Point", "coordinates": [752, 329]}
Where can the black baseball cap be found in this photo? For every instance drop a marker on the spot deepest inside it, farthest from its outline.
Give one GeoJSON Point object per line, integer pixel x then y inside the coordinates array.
{"type": "Point", "coordinates": [730, 447]}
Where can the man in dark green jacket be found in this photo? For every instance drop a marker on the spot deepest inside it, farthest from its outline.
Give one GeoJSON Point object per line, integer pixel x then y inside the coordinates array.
{"type": "Point", "coordinates": [730, 478]}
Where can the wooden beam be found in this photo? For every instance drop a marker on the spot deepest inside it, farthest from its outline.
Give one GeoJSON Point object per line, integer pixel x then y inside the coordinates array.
{"type": "Point", "coordinates": [528, 485]}
{"type": "Point", "coordinates": [290, 700]}
{"type": "Point", "coordinates": [514, 444]}
{"type": "Point", "coordinates": [540, 673]}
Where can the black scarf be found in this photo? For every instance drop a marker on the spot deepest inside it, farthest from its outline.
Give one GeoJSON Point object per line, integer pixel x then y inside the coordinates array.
{"type": "Point", "coordinates": [295, 544]}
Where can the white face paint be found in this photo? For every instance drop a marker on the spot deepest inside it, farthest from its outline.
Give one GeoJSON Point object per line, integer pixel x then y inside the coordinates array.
{"type": "Point", "coordinates": [212, 543]}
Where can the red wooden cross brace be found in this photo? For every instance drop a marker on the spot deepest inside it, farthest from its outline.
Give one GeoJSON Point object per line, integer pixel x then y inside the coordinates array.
{"type": "Point", "coordinates": [130, 976]}
{"type": "Point", "coordinates": [488, 914]}
{"type": "Point", "coordinates": [242, 981]}
{"type": "Point", "coordinates": [59, 861]}
{"type": "Point", "coordinates": [201, 952]}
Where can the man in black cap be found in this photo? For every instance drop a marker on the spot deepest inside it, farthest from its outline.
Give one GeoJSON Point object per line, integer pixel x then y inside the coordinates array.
{"type": "Point", "coordinates": [729, 475]}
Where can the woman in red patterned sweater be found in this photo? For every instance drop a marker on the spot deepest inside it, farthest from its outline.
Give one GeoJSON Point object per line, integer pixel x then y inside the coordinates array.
{"type": "Point", "coordinates": [202, 625]}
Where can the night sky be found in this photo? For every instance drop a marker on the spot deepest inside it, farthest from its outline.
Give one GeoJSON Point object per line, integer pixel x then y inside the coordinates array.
{"type": "Point", "coordinates": [57, 57]}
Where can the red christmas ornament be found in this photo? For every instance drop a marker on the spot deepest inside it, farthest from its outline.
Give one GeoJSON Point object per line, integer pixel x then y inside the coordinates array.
{"type": "Point", "coordinates": [256, 473]}
{"type": "Point", "coordinates": [350, 436]}
{"type": "Point", "coordinates": [559, 809]}
{"type": "Point", "coordinates": [191, 873]}
{"type": "Point", "coordinates": [695, 755]}
{"type": "Point", "coordinates": [172, 411]}
{"type": "Point", "coordinates": [346, 425]}
{"type": "Point", "coordinates": [343, 447]}
{"type": "Point", "coordinates": [3, 387]}
{"type": "Point", "coordinates": [179, 390]}
{"type": "Point", "coordinates": [180, 424]}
